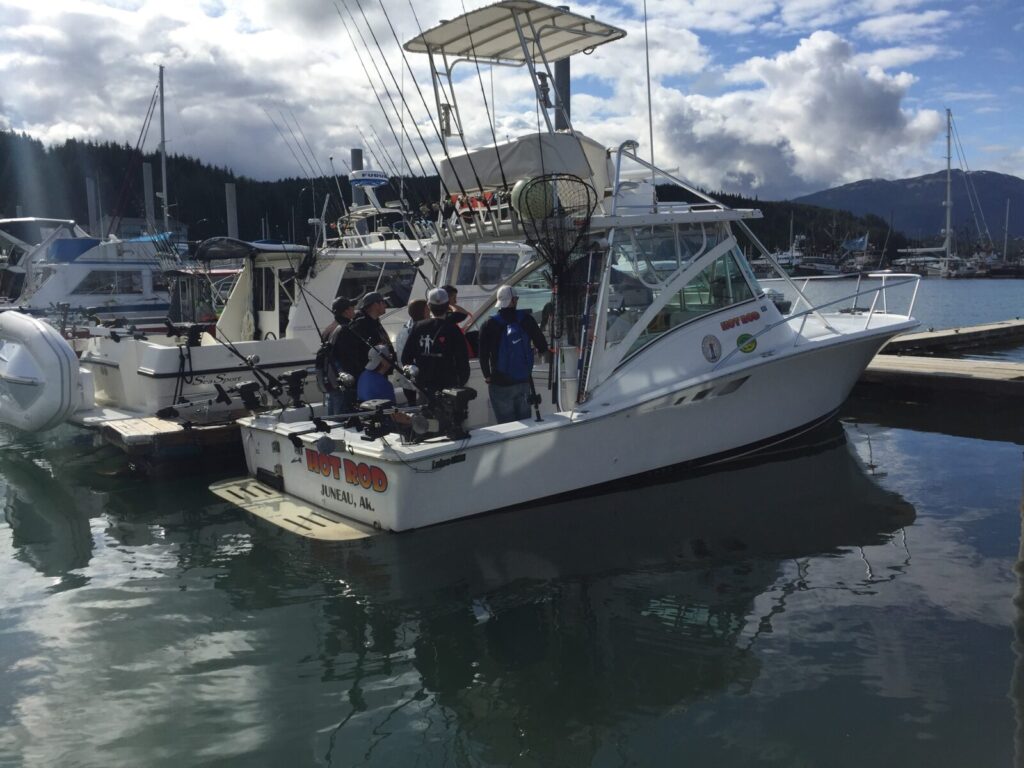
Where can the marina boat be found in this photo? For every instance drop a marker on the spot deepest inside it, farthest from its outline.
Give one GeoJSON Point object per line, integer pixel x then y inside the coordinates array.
{"type": "Point", "coordinates": [266, 336]}
{"type": "Point", "coordinates": [665, 348]}
{"type": "Point", "coordinates": [67, 270]}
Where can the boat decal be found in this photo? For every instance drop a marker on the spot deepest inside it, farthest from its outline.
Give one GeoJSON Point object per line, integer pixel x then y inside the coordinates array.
{"type": "Point", "coordinates": [362, 474]}
{"type": "Point", "coordinates": [712, 348]}
{"type": "Point", "coordinates": [743, 319]}
{"type": "Point", "coordinates": [746, 343]}
{"type": "Point", "coordinates": [458, 458]}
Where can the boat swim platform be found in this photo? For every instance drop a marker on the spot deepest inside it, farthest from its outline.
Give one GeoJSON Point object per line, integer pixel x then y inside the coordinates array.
{"type": "Point", "coordinates": [975, 337]}
{"type": "Point", "coordinates": [287, 512]}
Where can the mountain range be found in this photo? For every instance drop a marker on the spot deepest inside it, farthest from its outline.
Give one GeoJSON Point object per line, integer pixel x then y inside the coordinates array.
{"type": "Point", "coordinates": [916, 204]}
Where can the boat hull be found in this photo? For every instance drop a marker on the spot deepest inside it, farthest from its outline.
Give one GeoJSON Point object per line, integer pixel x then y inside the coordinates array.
{"type": "Point", "coordinates": [395, 487]}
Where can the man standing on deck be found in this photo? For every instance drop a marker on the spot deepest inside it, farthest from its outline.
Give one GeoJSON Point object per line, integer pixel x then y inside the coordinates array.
{"type": "Point", "coordinates": [363, 334]}
{"type": "Point", "coordinates": [437, 347]}
{"type": "Point", "coordinates": [506, 357]}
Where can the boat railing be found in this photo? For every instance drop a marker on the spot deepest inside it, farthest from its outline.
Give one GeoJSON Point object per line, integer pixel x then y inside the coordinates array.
{"type": "Point", "coordinates": [879, 305]}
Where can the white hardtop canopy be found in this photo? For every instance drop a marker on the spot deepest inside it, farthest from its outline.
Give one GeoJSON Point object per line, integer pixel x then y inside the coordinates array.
{"type": "Point", "coordinates": [490, 34]}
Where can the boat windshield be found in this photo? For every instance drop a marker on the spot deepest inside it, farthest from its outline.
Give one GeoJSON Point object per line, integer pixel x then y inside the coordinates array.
{"type": "Point", "coordinates": [643, 260]}
{"type": "Point", "coordinates": [391, 278]}
{"type": "Point", "coordinates": [637, 281]}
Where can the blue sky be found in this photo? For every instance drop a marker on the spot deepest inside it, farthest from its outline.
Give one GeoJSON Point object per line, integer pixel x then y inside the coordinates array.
{"type": "Point", "coordinates": [769, 97]}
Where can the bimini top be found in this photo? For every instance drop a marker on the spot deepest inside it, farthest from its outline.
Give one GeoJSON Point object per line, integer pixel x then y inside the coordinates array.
{"type": "Point", "coordinates": [489, 34]}
{"type": "Point", "coordinates": [228, 248]}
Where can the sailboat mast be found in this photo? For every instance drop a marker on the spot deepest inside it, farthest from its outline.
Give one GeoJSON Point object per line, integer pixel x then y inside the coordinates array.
{"type": "Point", "coordinates": [163, 153]}
{"type": "Point", "coordinates": [1006, 228]}
{"type": "Point", "coordinates": [949, 183]}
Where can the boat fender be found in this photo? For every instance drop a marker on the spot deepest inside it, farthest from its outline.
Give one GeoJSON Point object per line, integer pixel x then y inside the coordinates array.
{"type": "Point", "coordinates": [39, 378]}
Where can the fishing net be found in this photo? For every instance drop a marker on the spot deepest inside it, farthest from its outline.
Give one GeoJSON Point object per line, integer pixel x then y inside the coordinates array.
{"type": "Point", "coordinates": [555, 212]}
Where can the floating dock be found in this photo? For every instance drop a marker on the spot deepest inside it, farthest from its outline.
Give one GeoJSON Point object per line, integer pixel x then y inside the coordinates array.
{"type": "Point", "coordinates": [927, 378]}
{"type": "Point", "coordinates": [1006, 333]}
{"type": "Point", "coordinates": [158, 446]}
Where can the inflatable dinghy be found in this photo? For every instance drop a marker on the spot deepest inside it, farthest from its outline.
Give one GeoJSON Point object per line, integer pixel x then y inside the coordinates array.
{"type": "Point", "coordinates": [39, 386]}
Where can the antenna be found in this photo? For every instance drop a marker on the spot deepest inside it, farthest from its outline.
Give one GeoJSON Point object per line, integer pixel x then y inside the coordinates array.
{"type": "Point", "coordinates": [650, 112]}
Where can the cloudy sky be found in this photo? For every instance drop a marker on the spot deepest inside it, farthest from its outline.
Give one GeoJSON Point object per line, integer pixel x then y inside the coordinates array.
{"type": "Point", "coordinates": [770, 97]}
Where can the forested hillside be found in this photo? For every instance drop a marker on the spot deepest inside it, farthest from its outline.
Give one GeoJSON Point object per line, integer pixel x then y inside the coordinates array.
{"type": "Point", "coordinates": [50, 182]}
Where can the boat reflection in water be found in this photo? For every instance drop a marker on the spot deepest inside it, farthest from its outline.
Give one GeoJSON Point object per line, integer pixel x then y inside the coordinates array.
{"type": "Point", "coordinates": [541, 631]}
{"type": "Point", "coordinates": [49, 521]}
{"type": "Point", "coordinates": [810, 496]}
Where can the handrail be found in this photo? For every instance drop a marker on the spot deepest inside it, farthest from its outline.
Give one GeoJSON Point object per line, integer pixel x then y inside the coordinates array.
{"type": "Point", "coordinates": [910, 278]}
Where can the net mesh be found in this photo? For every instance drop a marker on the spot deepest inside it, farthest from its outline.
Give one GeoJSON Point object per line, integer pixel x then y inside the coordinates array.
{"type": "Point", "coordinates": [555, 212]}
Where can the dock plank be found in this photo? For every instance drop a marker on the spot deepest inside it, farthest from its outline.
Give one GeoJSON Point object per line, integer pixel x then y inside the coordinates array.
{"type": "Point", "coordinates": [941, 375]}
{"type": "Point", "coordinates": [986, 335]}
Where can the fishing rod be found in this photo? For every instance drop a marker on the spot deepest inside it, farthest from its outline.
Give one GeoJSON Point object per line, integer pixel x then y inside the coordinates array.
{"type": "Point", "coordinates": [487, 110]}
{"type": "Point", "coordinates": [433, 123]}
{"type": "Point", "coordinates": [337, 183]}
{"type": "Point", "coordinates": [394, 80]}
{"type": "Point", "coordinates": [369, 79]}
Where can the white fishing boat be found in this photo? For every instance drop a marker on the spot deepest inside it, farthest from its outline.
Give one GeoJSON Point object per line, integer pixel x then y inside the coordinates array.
{"type": "Point", "coordinates": [666, 349]}
{"type": "Point", "coordinates": [66, 270]}
{"type": "Point", "coordinates": [264, 341]}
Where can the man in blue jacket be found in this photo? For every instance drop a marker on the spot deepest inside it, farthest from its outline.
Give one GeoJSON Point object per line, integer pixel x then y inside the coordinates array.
{"type": "Point", "coordinates": [506, 356]}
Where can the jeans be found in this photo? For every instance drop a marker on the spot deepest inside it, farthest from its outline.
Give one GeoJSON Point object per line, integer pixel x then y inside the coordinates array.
{"type": "Point", "coordinates": [510, 401]}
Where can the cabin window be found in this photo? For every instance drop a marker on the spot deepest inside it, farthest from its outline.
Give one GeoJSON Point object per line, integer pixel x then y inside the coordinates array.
{"type": "Point", "coordinates": [644, 259]}
{"type": "Point", "coordinates": [159, 281]}
{"type": "Point", "coordinates": [486, 269]}
{"type": "Point", "coordinates": [393, 279]}
{"type": "Point", "coordinates": [263, 289]}
{"type": "Point", "coordinates": [534, 291]}
{"type": "Point", "coordinates": [721, 284]}
{"type": "Point", "coordinates": [110, 281]}
{"type": "Point", "coordinates": [285, 298]}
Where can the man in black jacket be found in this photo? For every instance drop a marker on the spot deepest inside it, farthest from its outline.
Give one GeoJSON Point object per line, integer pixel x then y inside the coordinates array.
{"type": "Point", "coordinates": [437, 347]}
{"type": "Point", "coordinates": [353, 345]}
{"type": "Point", "coordinates": [506, 359]}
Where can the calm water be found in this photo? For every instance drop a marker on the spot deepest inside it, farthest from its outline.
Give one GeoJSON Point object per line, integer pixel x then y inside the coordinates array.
{"type": "Point", "coordinates": [848, 602]}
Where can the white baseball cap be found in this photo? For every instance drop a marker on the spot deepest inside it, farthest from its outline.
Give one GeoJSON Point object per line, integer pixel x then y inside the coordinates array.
{"type": "Point", "coordinates": [505, 295]}
{"type": "Point", "coordinates": [437, 297]}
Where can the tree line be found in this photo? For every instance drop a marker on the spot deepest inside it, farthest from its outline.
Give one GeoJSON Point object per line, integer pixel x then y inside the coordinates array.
{"type": "Point", "coordinates": [49, 181]}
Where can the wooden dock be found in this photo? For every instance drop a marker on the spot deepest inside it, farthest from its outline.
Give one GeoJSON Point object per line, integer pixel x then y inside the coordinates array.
{"type": "Point", "coordinates": [158, 446]}
{"type": "Point", "coordinates": [930, 378]}
{"type": "Point", "coordinates": [1006, 333]}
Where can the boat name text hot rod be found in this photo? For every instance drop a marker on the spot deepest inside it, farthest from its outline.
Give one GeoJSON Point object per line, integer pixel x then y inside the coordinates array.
{"type": "Point", "coordinates": [364, 475]}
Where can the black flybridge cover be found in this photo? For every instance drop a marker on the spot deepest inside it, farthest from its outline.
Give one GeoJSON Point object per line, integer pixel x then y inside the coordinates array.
{"type": "Point", "coordinates": [226, 248]}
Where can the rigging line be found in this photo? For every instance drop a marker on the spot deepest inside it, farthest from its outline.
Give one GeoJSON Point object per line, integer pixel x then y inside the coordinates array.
{"type": "Point", "coordinates": [972, 192]}
{"type": "Point", "coordinates": [369, 79]}
{"type": "Point", "coordinates": [312, 170]}
{"type": "Point", "coordinates": [483, 94]}
{"type": "Point", "coordinates": [650, 109]}
{"type": "Point", "coordinates": [306, 141]}
{"type": "Point", "coordinates": [127, 183]}
{"type": "Point", "coordinates": [392, 164]}
{"type": "Point", "coordinates": [284, 138]}
{"type": "Point", "coordinates": [405, 102]}
{"type": "Point", "coordinates": [423, 101]}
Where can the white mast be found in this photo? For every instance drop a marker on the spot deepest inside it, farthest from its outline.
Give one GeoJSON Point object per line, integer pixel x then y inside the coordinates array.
{"type": "Point", "coordinates": [163, 154]}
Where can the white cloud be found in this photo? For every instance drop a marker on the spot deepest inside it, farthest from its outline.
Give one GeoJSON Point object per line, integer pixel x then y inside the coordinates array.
{"type": "Point", "coordinates": [900, 27]}
{"type": "Point", "coordinates": [815, 113]}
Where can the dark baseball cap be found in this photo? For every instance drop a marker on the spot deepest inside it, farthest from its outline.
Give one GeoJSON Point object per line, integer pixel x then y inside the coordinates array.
{"type": "Point", "coordinates": [341, 304]}
{"type": "Point", "coordinates": [371, 298]}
